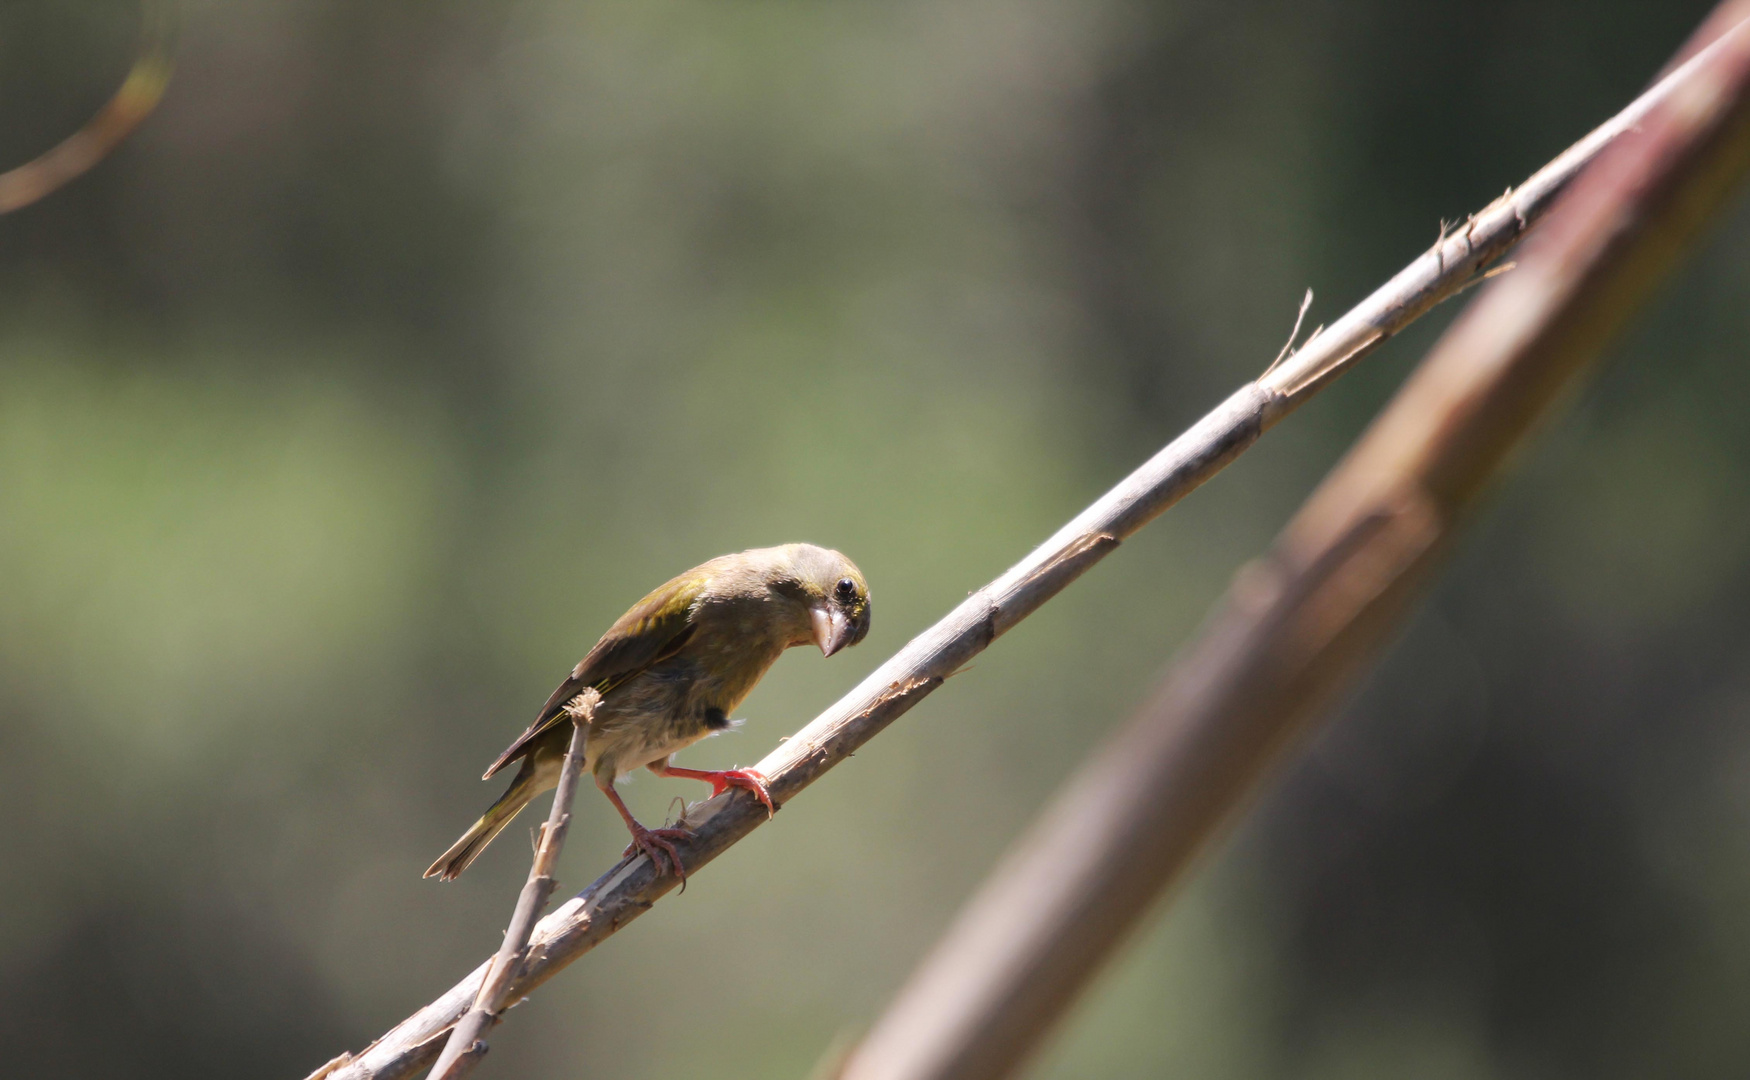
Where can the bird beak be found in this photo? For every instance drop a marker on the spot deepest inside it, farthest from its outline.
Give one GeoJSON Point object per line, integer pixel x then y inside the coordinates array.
{"type": "Point", "coordinates": [832, 629]}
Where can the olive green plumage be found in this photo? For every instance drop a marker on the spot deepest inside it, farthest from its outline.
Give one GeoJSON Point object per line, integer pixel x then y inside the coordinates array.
{"type": "Point", "coordinates": [672, 668]}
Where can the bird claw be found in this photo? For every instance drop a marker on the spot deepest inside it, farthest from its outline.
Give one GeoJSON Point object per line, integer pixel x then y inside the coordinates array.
{"type": "Point", "coordinates": [748, 780]}
{"type": "Point", "coordinates": [656, 844]}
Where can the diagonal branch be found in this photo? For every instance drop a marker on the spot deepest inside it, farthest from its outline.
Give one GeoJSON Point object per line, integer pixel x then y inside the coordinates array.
{"type": "Point", "coordinates": [632, 886]}
{"type": "Point", "coordinates": [1298, 626]}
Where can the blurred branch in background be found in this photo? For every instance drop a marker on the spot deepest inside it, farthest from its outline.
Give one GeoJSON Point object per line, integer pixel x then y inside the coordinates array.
{"type": "Point", "coordinates": [139, 94]}
{"type": "Point", "coordinates": [1298, 626]}
{"type": "Point", "coordinates": [632, 886]}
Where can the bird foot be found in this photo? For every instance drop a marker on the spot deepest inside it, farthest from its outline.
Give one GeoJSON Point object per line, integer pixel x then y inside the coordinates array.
{"type": "Point", "coordinates": [747, 779]}
{"type": "Point", "coordinates": [722, 780]}
{"type": "Point", "coordinates": [657, 844]}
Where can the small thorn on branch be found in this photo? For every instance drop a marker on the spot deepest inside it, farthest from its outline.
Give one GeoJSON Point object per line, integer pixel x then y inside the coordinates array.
{"type": "Point", "coordinates": [1288, 346]}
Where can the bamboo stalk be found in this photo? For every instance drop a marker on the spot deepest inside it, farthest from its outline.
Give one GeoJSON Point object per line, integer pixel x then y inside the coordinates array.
{"type": "Point", "coordinates": [1298, 626]}
{"type": "Point", "coordinates": [632, 886]}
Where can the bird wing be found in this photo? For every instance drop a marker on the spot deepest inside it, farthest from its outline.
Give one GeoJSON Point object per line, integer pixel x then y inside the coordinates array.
{"type": "Point", "coordinates": [652, 631]}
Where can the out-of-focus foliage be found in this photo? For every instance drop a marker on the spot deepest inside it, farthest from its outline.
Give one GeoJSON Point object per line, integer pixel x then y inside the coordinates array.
{"type": "Point", "coordinates": [412, 341]}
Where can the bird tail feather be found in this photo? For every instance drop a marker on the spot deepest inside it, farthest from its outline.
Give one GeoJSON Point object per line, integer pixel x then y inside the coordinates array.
{"type": "Point", "coordinates": [524, 788]}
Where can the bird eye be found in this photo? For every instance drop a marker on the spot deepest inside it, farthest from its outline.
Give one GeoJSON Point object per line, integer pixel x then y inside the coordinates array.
{"type": "Point", "coordinates": [846, 589]}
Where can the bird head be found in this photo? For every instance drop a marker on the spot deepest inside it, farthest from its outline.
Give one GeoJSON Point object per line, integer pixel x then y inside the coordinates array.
{"type": "Point", "coordinates": [832, 591]}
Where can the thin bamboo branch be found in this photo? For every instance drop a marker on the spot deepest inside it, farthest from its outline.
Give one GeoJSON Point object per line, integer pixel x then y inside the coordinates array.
{"type": "Point", "coordinates": [139, 94]}
{"type": "Point", "coordinates": [465, 1047]}
{"type": "Point", "coordinates": [632, 886]}
{"type": "Point", "coordinates": [1298, 626]}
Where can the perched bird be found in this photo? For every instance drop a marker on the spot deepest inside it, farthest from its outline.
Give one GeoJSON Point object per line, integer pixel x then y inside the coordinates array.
{"type": "Point", "coordinates": [669, 672]}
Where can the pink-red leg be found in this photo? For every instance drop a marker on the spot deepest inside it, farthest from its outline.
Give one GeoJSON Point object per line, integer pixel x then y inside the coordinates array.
{"type": "Point", "coordinates": [652, 842]}
{"type": "Point", "coordinates": [723, 779]}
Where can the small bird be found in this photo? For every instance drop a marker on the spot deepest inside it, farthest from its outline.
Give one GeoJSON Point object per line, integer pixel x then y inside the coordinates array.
{"type": "Point", "coordinates": [669, 672]}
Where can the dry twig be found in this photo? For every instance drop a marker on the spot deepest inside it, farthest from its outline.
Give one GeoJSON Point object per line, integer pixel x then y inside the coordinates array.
{"type": "Point", "coordinates": [631, 887]}
{"type": "Point", "coordinates": [1297, 627]}
{"type": "Point", "coordinates": [465, 1048]}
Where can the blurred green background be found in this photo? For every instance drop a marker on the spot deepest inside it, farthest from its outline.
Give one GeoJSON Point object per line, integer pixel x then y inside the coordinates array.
{"type": "Point", "coordinates": [410, 342]}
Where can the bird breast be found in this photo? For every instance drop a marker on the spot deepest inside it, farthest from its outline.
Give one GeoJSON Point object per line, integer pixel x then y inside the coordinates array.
{"type": "Point", "coordinates": [683, 699]}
